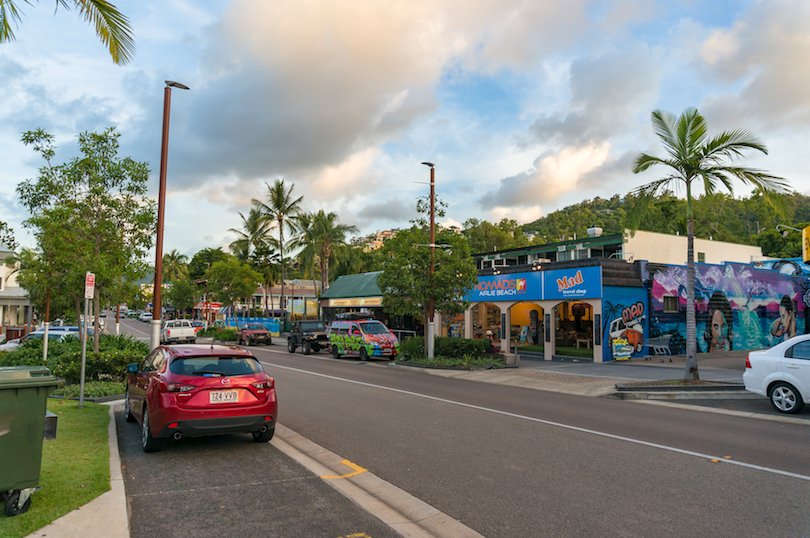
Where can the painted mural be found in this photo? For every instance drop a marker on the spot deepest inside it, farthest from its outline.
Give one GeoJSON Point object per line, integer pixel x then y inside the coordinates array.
{"type": "Point", "coordinates": [624, 322]}
{"type": "Point", "coordinates": [737, 306]}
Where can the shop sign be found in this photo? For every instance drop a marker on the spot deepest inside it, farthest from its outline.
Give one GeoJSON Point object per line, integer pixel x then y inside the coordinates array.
{"type": "Point", "coordinates": [356, 301]}
{"type": "Point", "coordinates": [509, 287]}
{"type": "Point", "coordinates": [575, 283]}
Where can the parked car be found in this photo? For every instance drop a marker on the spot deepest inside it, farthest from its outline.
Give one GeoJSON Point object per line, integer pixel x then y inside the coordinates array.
{"type": "Point", "coordinates": [253, 333]}
{"type": "Point", "coordinates": [145, 316]}
{"type": "Point", "coordinates": [198, 325]}
{"type": "Point", "coordinates": [782, 373]}
{"type": "Point", "coordinates": [309, 335]}
{"type": "Point", "coordinates": [363, 338]}
{"type": "Point", "coordinates": [53, 336]}
{"type": "Point", "coordinates": [195, 390]}
{"type": "Point", "coordinates": [178, 330]}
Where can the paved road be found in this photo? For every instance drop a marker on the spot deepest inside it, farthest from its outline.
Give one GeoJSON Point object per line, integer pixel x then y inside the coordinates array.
{"type": "Point", "coordinates": [508, 461]}
{"type": "Point", "coordinates": [517, 462]}
{"type": "Point", "coordinates": [230, 486]}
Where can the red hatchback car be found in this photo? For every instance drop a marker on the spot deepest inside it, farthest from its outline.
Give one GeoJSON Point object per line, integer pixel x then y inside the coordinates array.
{"type": "Point", "coordinates": [195, 390]}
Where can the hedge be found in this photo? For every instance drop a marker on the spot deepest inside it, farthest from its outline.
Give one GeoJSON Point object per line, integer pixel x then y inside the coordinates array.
{"type": "Point", "coordinates": [450, 347]}
{"type": "Point", "coordinates": [64, 358]}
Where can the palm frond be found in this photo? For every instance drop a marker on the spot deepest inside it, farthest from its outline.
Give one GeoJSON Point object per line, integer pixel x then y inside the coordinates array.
{"type": "Point", "coordinates": [9, 13]}
{"type": "Point", "coordinates": [112, 28]}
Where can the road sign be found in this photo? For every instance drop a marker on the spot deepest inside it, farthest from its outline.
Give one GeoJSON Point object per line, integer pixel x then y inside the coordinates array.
{"type": "Point", "coordinates": [89, 285]}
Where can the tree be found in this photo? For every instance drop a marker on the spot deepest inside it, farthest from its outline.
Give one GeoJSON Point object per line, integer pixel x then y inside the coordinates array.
{"type": "Point", "coordinates": [231, 279]}
{"type": "Point", "coordinates": [7, 236]}
{"type": "Point", "coordinates": [175, 266]}
{"type": "Point", "coordinates": [406, 283]}
{"type": "Point", "coordinates": [694, 157]}
{"type": "Point", "coordinates": [281, 207]}
{"type": "Point", "coordinates": [253, 235]}
{"type": "Point", "coordinates": [203, 260]}
{"type": "Point", "coordinates": [89, 214]}
{"type": "Point", "coordinates": [487, 237]}
{"type": "Point", "coordinates": [182, 294]}
{"type": "Point", "coordinates": [111, 26]}
{"type": "Point", "coordinates": [322, 236]}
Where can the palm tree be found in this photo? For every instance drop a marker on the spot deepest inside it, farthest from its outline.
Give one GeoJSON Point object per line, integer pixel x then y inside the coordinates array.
{"type": "Point", "coordinates": [252, 236]}
{"type": "Point", "coordinates": [327, 236]}
{"type": "Point", "coordinates": [254, 245]}
{"type": "Point", "coordinates": [282, 208]}
{"type": "Point", "coordinates": [175, 266]}
{"type": "Point", "coordinates": [693, 157]}
{"type": "Point", "coordinates": [112, 27]}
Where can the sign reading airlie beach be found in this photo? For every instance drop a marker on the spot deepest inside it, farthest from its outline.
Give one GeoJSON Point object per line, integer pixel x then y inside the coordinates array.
{"type": "Point", "coordinates": [570, 284]}
{"type": "Point", "coordinates": [510, 287]}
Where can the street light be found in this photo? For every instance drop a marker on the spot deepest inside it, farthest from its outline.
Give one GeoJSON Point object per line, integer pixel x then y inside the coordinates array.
{"type": "Point", "coordinates": [785, 229]}
{"type": "Point", "coordinates": [431, 336]}
{"type": "Point", "coordinates": [164, 151]}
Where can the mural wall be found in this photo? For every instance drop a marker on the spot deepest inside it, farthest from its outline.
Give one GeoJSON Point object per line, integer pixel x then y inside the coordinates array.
{"type": "Point", "coordinates": [624, 322]}
{"type": "Point", "coordinates": [737, 306]}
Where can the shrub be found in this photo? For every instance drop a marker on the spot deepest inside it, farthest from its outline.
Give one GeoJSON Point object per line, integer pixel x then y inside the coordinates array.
{"type": "Point", "coordinates": [461, 347]}
{"type": "Point", "coordinates": [412, 348]}
{"type": "Point", "coordinates": [225, 335]}
{"type": "Point", "coordinates": [64, 358]}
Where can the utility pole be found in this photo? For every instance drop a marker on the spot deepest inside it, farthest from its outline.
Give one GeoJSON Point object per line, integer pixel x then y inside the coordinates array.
{"type": "Point", "coordinates": [431, 328]}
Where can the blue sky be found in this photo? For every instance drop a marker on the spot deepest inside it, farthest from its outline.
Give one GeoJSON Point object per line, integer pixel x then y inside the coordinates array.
{"type": "Point", "coordinates": [524, 106]}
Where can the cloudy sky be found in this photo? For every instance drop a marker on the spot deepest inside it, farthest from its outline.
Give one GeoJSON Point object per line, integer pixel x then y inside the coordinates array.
{"type": "Point", "coordinates": [525, 106]}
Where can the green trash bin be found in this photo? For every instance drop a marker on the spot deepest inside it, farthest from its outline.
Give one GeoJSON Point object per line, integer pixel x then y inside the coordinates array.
{"type": "Point", "coordinates": [23, 397]}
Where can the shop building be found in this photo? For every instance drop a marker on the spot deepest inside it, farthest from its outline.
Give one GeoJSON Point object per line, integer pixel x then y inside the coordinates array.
{"type": "Point", "coordinates": [628, 246]}
{"type": "Point", "coordinates": [557, 309]}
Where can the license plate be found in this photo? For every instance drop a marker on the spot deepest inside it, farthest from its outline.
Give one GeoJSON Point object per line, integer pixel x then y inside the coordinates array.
{"type": "Point", "coordinates": [223, 396]}
{"type": "Point", "coordinates": [386, 351]}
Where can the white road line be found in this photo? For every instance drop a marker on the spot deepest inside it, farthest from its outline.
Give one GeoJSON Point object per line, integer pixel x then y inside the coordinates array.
{"type": "Point", "coordinates": [552, 423]}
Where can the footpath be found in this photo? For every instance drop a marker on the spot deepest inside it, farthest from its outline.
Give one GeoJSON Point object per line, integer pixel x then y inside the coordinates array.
{"type": "Point", "coordinates": [720, 391]}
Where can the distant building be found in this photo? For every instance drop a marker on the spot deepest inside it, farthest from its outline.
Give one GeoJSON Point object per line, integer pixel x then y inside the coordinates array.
{"type": "Point", "coordinates": [15, 307]}
{"type": "Point", "coordinates": [376, 240]}
{"type": "Point", "coordinates": [627, 246]}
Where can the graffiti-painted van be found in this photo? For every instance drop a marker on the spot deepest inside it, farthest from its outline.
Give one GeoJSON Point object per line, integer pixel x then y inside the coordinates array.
{"type": "Point", "coordinates": [362, 338]}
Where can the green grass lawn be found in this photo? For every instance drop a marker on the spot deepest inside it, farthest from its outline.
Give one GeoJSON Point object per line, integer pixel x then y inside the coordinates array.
{"type": "Point", "coordinates": [75, 467]}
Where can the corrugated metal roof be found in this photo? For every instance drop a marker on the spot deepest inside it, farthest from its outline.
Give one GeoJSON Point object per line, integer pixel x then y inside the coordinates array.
{"type": "Point", "coordinates": [359, 285]}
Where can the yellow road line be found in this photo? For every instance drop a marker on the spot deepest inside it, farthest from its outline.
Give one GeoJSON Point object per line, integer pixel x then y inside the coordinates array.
{"type": "Point", "coordinates": [357, 470]}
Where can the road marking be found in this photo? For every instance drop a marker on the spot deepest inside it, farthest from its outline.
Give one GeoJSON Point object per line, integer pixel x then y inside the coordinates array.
{"type": "Point", "coordinates": [357, 470]}
{"type": "Point", "coordinates": [552, 423]}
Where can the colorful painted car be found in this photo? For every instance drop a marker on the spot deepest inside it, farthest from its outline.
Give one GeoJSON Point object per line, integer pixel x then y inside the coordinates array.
{"type": "Point", "coordinates": [364, 338]}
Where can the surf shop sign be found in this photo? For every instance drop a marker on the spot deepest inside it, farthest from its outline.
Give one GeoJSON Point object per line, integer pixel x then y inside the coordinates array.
{"type": "Point", "coordinates": [518, 286]}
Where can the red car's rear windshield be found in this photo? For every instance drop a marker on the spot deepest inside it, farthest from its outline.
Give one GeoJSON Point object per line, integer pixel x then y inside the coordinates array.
{"type": "Point", "coordinates": [215, 366]}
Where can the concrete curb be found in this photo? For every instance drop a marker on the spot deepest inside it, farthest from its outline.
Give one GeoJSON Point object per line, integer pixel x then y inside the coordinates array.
{"type": "Point", "coordinates": [404, 513]}
{"type": "Point", "coordinates": [107, 515]}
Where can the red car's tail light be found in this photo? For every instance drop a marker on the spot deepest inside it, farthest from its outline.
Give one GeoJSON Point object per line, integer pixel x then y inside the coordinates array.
{"type": "Point", "coordinates": [177, 387]}
{"type": "Point", "coordinates": [748, 362]}
{"type": "Point", "coordinates": [266, 384]}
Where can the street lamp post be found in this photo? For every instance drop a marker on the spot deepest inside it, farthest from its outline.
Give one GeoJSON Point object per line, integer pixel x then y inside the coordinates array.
{"type": "Point", "coordinates": [784, 229]}
{"type": "Point", "coordinates": [431, 328]}
{"type": "Point", "coordinates": [164, 151]}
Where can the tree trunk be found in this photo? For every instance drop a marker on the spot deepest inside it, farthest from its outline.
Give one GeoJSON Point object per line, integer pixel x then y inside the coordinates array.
{"type": "Point", "coordinates": [281, 304]}
{"type": "Point", "coordinates": [691, 366]}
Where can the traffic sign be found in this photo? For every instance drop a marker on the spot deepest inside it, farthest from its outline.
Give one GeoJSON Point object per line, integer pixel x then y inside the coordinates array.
{"type": "Point", "coordinates": [89, 285]}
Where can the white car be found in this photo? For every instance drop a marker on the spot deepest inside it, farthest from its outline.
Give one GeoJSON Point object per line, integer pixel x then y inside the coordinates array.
{"type": "Point", "coordinates": [145, 316]}
{"type": "Point", "coordinates": [782, 373]}
{"type": "Point", "coordinates": [53, 336]}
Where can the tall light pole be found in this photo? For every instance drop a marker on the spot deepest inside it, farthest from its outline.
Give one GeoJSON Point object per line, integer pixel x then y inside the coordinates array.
{"type": "Point", "coordinates": [431, 328]}
{"type": "Point", "coordinates": [164, 155]}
